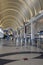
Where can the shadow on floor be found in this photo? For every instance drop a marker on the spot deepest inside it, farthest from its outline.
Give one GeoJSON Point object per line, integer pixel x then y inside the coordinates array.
{"type": "Point", "coordinates": [24, 52]}
{"type": "Point", "coordinates": [5, 61]}
{"type": "Point", "coordinates": [39, 57]}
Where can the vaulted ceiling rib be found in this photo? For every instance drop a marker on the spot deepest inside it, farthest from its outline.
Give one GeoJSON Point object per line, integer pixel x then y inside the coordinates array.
{"type": "Point", "coordinates": [14, 12]}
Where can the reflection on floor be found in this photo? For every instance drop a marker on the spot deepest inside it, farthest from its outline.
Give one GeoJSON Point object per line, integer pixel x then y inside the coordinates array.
{"type": "Point", "coordinates": [11, 55]}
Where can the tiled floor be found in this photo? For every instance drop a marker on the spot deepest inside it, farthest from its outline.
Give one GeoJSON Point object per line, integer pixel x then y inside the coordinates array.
{"type": "Point", "coordinates": [11, 55]}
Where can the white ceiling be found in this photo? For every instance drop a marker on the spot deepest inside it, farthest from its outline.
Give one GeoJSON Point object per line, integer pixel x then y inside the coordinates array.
{"type": "Point", "coordinates": [14, 12]}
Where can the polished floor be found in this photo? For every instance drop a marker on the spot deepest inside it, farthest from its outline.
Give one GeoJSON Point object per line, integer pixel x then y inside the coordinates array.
{"type": "Point", "coordinates": [13, 55]}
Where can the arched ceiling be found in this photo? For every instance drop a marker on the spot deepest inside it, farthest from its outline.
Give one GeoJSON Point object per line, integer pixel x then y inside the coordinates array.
{"type": "Point", "coordinates": [13, 13]}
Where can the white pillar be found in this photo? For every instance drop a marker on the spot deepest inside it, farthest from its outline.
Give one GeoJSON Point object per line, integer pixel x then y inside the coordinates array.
{"type": "Point", "coordinates": [17, 41]}
{"type": "Point", "coordinates": [25, 39]}
{"type": "Point", "coordinates": [21, 42]}
{"type": "Point", "coordinates": [25, 35]}
{"type": "Point", "coordinates": [32, 32]}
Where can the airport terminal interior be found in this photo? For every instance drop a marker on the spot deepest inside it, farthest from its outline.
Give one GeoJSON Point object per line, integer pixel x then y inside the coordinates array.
{"type": "Point", "coordinates": [21, 32]}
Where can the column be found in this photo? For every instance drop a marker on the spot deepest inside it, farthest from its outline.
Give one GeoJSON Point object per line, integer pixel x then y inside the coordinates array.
{"type": "Point", "coordinates": [17, 40]}
{"type": "Point", "coordinates": [25, 35]}
{"type": "Point", "coordinates": [33, 33]}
